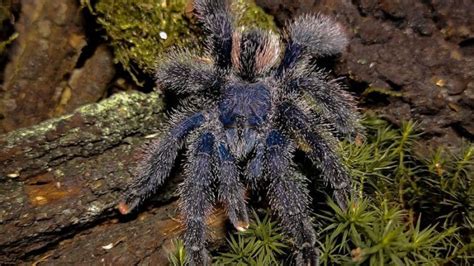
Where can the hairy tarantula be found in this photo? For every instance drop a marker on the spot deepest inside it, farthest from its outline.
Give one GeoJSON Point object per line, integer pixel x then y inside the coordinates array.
{"type": "Point", "coordinates": [250, 109]}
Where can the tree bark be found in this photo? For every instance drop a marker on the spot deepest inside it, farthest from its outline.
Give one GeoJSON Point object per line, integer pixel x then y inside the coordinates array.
{"type": "Point", "coordinates": [62, 179]}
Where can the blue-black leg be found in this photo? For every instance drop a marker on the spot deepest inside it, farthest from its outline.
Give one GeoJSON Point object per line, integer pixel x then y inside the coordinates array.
{"type": "Point", "coordinates": [329, 101]}
{"type": "Point", "coordinates": [157, 163]}
{"type": "Point", "coordinates": [184, 74]}
{"type": "Point", "coordinates": [254, 170]}
{"type": "Point", "coordinates": [289, 198]}
{"type": "Point", "coordinates": [319, 151]}
{"type": "Point", "coordinates": [312, 36]}
{"type": "Point", "coordinates": [197, 198]}
{"type": "Point", "coordinates": [218, 21]}
{"type": "Point", "coordinates": [231, 191]}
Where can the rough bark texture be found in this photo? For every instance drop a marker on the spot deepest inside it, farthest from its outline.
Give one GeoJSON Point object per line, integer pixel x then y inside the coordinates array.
{"type": "Point", "coordinates": [89, 83]}
{"type": "Point", "coordinates": [90, 130]}
{"type": "Point", "coordinates": [49, 43]}
{"type": "Point", "coordinates": [66, 175]}
{"type": "Point", "coordinates": [145, 240]}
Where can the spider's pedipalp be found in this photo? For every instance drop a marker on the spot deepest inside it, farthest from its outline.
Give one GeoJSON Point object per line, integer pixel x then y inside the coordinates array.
{"type": "Point", "coordinates": [231, 191]}
{"type": "Point", "coordinates": [197, 198]}
{"type": "Point", "coordinates": [218, 21]}
{"type": "Point", "coordinates": [312, 36]}
{"type": "Point", "coordinates": [158, 161]}
{"type": "Point", "coordinates": [289, 198]}
{"type": "Point", "coordinates": [184, 74]}
{"type": "Point", "coordinates": [319, 151]}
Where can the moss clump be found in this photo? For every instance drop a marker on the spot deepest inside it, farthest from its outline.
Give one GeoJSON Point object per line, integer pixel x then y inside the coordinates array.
{"type": "Point", "coordinates": [253, 15]}
{"type": "Point", "coordinates": [380, 232]}
{"type": "Point", "coordinates": [262, 244]}
{"type": "Point", "coordinates": [139, 31]}
{"type": "Point", "coordinates": [411, 210]}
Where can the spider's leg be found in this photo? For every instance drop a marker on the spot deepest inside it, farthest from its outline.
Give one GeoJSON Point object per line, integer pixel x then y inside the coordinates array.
{"type": "Point", "coordinates": [312, 36]}
{"type": "Point", "coordinates": [158, 162]}
{"type": "Point", "coordinates": [231, 191]}
{"type": "Point", "coordinates": [254, 169]}
{"type": "Point", "coordinates": [319, 151]}
{"type": "Point", "coordinates": [331, 102]}
{"type": "Point", "coordinates": [218, 20]}
{"type": "Point", "coordinates": [184, 74]}
{"type": "Point", "coordinates": [289, 198]}
{"type": "Point", "coordinates": [196, 198]}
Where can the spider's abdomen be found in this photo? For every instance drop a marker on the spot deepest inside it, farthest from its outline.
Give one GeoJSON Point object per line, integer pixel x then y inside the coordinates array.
{"type": "Point", "coordinates": [242, 110]}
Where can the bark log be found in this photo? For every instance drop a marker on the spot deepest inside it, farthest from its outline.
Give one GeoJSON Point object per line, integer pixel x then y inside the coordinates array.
{"type": "Point", "coordinates": [89, 130]}
{"type": "Point", "coordinates": [66, 175]}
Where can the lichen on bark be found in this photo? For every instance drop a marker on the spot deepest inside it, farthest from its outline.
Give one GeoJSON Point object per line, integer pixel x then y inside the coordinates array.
{"type": "Point", "coordinates": [89, 130]}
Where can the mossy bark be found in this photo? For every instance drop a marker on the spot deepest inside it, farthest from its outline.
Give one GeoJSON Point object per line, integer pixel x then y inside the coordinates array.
{"type": "Point", "coordinates": [88, 131]}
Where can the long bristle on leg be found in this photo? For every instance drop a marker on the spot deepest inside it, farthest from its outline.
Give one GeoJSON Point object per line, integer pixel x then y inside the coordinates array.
{"type": "Point", "coordinates": [329, 100]}
{"type": "Point", "coordinates": [319, 151]}
{"type": "Point", "coordinates": [197, 198]}
{"type": "Point", "coordinates": [184, 73]}
{"type": "Point", "coordinates": [312, 36]}
{"type": "Point", "coordinates": [158, 162]}
{"type": "Point", "coordinates": [218, 22]}
{"type": "Point", "coordinates": [230, 190]}
{"type": "Point", "coordinates": [289, 198]}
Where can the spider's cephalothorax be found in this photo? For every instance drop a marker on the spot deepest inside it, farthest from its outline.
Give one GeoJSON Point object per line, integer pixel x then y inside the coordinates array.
{"type": "Point", "coordinates": [248, 104]}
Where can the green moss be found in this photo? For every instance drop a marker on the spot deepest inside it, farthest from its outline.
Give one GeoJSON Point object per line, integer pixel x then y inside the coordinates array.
{"type": "Point", "coordinates": [433, 197]}
{"type": "Point", "coordinates": [262, 244]}
{"type": "Point", "coordinates": [253, 15]}
{"type": "Point", "coordinates": [139, 31]}
{"type": "Point", "coordinates": [178, 257]}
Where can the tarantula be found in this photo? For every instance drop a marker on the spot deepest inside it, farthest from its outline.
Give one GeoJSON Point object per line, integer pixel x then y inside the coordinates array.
{"type": "Point", "coordinates": [248, 109]}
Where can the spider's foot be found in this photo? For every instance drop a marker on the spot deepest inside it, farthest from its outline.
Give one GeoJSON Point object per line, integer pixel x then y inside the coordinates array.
{"type": "Point", "coordinates": [198, 256]}
{"type": "Point", "coordinates": [239, 217]}
{"type": "Point", "coordinates": [241, 226]}
{"type": "Point", "coordinates": [307, 254]}
{"type": "Point", "coordinates": [123, 208]}
{"type": "Point", "coordinates": [126, 207]}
